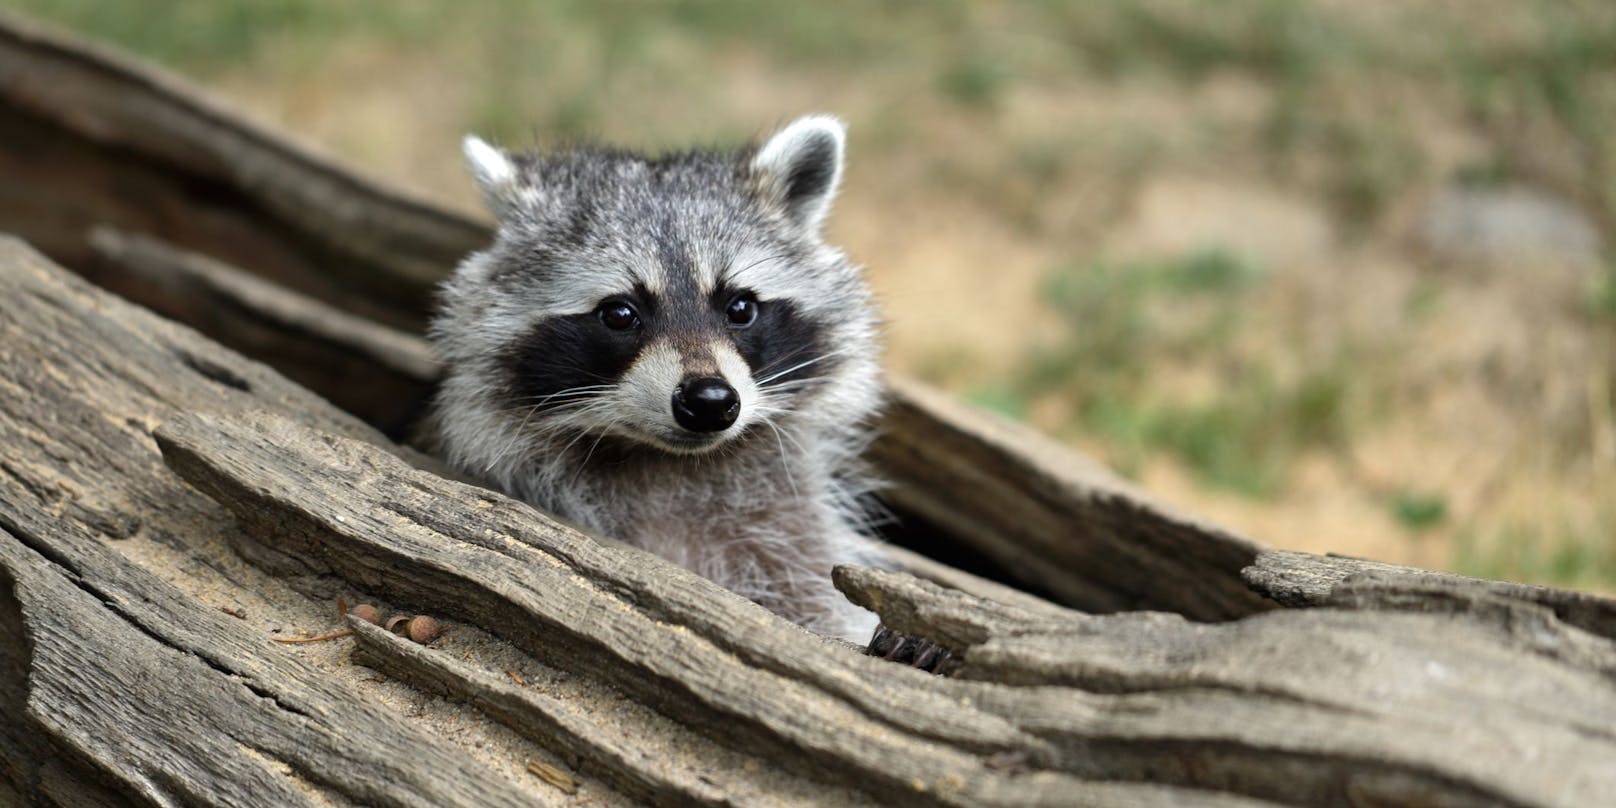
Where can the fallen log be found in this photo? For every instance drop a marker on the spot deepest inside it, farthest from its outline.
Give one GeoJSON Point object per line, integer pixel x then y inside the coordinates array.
{"type": "Point", "coordinates": [141, 463]}
{"type": "Point", "coordinates": [1313, 706]}
{"type": "Point", "coordinates": [1060, 693]}
{"type": "Point", "coordinates": [115, 656]}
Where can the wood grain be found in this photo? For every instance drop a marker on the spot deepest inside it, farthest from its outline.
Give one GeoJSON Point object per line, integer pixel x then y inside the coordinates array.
{"type": "Point", "coordinates": [118, 687]}
{"type": "Point", "coordinates": [141, 461]}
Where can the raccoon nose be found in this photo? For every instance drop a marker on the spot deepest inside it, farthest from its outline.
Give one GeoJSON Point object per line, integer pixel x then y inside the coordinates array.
{"type": "Point", "coordinates": [706, 405]}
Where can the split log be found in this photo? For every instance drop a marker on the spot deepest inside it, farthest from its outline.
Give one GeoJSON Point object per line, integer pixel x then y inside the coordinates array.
{"type": "Point", "coordinates": [1443, 713]}
{"type": "Point", "coordinates": [1311, 707]}
{"type": "Point", "coordinates": [1043, 704]}
{"type": "Point", "coordinates": [149, 696]}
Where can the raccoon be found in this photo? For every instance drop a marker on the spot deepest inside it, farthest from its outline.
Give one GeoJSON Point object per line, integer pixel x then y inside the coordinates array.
{"type": "Point", "coordinates": [666, 351]}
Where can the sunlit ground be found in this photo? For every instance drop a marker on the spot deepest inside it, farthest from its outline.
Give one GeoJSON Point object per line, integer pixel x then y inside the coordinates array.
{"type": "Point", "coordinates": [1338, 275]}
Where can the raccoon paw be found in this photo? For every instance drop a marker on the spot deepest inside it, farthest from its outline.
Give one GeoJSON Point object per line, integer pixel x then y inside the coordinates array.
{"type": "Point", "coordinates": [912, 651]}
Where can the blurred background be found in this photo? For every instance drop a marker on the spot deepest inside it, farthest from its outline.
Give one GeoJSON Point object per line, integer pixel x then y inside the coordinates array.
{"type": "Point", "coordinates": [1339, 275]}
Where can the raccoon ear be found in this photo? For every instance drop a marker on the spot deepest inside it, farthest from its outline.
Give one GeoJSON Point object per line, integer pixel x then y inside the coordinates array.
{"type": "Point", "coordinates": [494, 173]}
{"type": "Point", "coordinates": [801, 166]}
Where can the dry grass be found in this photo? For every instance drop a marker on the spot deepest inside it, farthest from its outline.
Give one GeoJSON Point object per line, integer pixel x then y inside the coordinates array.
{"type": "Point", "coordinates": [1183, 235]}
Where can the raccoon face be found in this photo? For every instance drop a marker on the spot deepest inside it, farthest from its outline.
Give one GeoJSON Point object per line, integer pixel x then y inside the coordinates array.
{"type": "Point", "coordinates": [679, 302]}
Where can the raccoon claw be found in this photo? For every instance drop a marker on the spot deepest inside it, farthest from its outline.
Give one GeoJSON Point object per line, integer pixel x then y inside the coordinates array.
{"type": "Point", "coordinates": [912, 651]}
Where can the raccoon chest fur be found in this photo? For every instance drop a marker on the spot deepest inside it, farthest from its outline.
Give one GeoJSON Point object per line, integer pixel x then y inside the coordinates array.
{"type": "Point", "coordinates": [753, 525]}
{"type": "Point", "coordinates": [665, 350]}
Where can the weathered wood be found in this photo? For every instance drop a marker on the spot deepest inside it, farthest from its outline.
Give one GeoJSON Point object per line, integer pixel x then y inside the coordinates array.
{"type": "Point", "coordinates": [669, 638]}
{"type": "Point", "coordinates": [91, 126]}
{"type": "Point", "coordinates": [681, 773]}
{"type": "Point", "coordinates": [711, 660]}
{"type": "Point", "coordinates": [377, 373]}
{"type": "Point", "coordinates": [1349, 706]}
{"type": "Point", "coordinates": [1313, 707]}
{"type": "Point", "coordinates": [117, 687]}
{"type": "Point", "coordinates": [1302, 580]}
{"type": "Point", "coordinates": [1395, 687]}
{"type": "Point", "coordinates": [161, 700]}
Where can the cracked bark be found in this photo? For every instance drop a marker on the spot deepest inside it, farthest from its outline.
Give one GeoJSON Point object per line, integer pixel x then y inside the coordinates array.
{"type": "Point", "coordinates": [125, 438]}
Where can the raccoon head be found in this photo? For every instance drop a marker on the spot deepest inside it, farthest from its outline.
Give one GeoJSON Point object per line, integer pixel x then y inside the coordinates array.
{"type": "Point", "coordinates": [678, 302]}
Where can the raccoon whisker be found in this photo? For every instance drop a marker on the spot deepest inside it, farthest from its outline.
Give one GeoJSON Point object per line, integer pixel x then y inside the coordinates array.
{"type": "Point", "coordinates": [798, 366]}
{"type": "Point", "coordinates": [572, 409]}
{"type": "Point", "coordinates": [580, 419]}
{"type": "Point", "coordinates": [766, 414]}
{"type": "Point", "coordinates": [776, 363]}
{"type": "Point", "coordinates": [794, 442]}
{"type": "Point", "coordinates": [582, 392]}
{"type": "Point", "coordinates": [555, 414]}
{"type": "Point", "coordinates": [568, 398]}
{"type": "Point", "coordinates": [571, 443]}
{"type": "Point", "coordinates": [587, 455]}
{"type": "Point", "coordinates": [565, 408]}
{"type": "Point", "coordinates": [785, 460]}
{"type": "Point", "coordinates": [576, 392]}
{"type": "Point", "coordinates": [516, 437]}
{"type": "Point", "coordinates": [766, 411]}
{"type": "Point", "coordinates": [529, 409]}
{"type": "Point", "coordinates": [795, 384]}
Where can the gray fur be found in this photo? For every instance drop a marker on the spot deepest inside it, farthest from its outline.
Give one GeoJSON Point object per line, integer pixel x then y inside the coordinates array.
{"type": "Point", "coordinates": [772, 503]}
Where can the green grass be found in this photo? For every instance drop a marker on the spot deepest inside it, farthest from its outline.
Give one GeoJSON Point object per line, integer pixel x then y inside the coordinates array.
{"type": "Point", "coordinates": [976, 81]}
{"type": "Point", "coordinates": [1245, 439]}
{"type": "Point", "coordinates": [1550, 555]}
{"type": "Point", "coordinates": [1602, 297]}
{"type": "Point", "coordinates": [1122, 324]}
{"type": "Point", "coordinates": [1419, 510]}
{"type": "Point", "coordinates": [1106, 308]}
{"type": "Point", "coordinates": [1548, 89]}
{"type": "Point", "coordinates": [1004, 400]}
{"type": "Point", "coordinates": [207, 36]}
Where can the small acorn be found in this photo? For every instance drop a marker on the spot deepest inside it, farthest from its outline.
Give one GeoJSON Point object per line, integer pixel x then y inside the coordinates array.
{"type": "Point", "coordinates": [368, 613]}
{"type": "Point", "coordinates": [423, 629]}
{"type": "Point", "coordinates": [420, 628]}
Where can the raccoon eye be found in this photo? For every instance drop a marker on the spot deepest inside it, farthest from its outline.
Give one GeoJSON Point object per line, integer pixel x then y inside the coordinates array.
{"type": "Point", "coordinates": [617, 315]}
{"type": "Point", "coordinates": [742, 311]}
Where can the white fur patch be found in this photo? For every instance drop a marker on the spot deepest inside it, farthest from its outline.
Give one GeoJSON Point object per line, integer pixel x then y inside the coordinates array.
{"type": "Point", "coordinates": [493, 172]}
{"type": "Point", "coordinates": [735, 371]}
{"type": "Point", "coordinates": [647, 386]}
{"type": "Point", "coordinates": [809, 138]}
